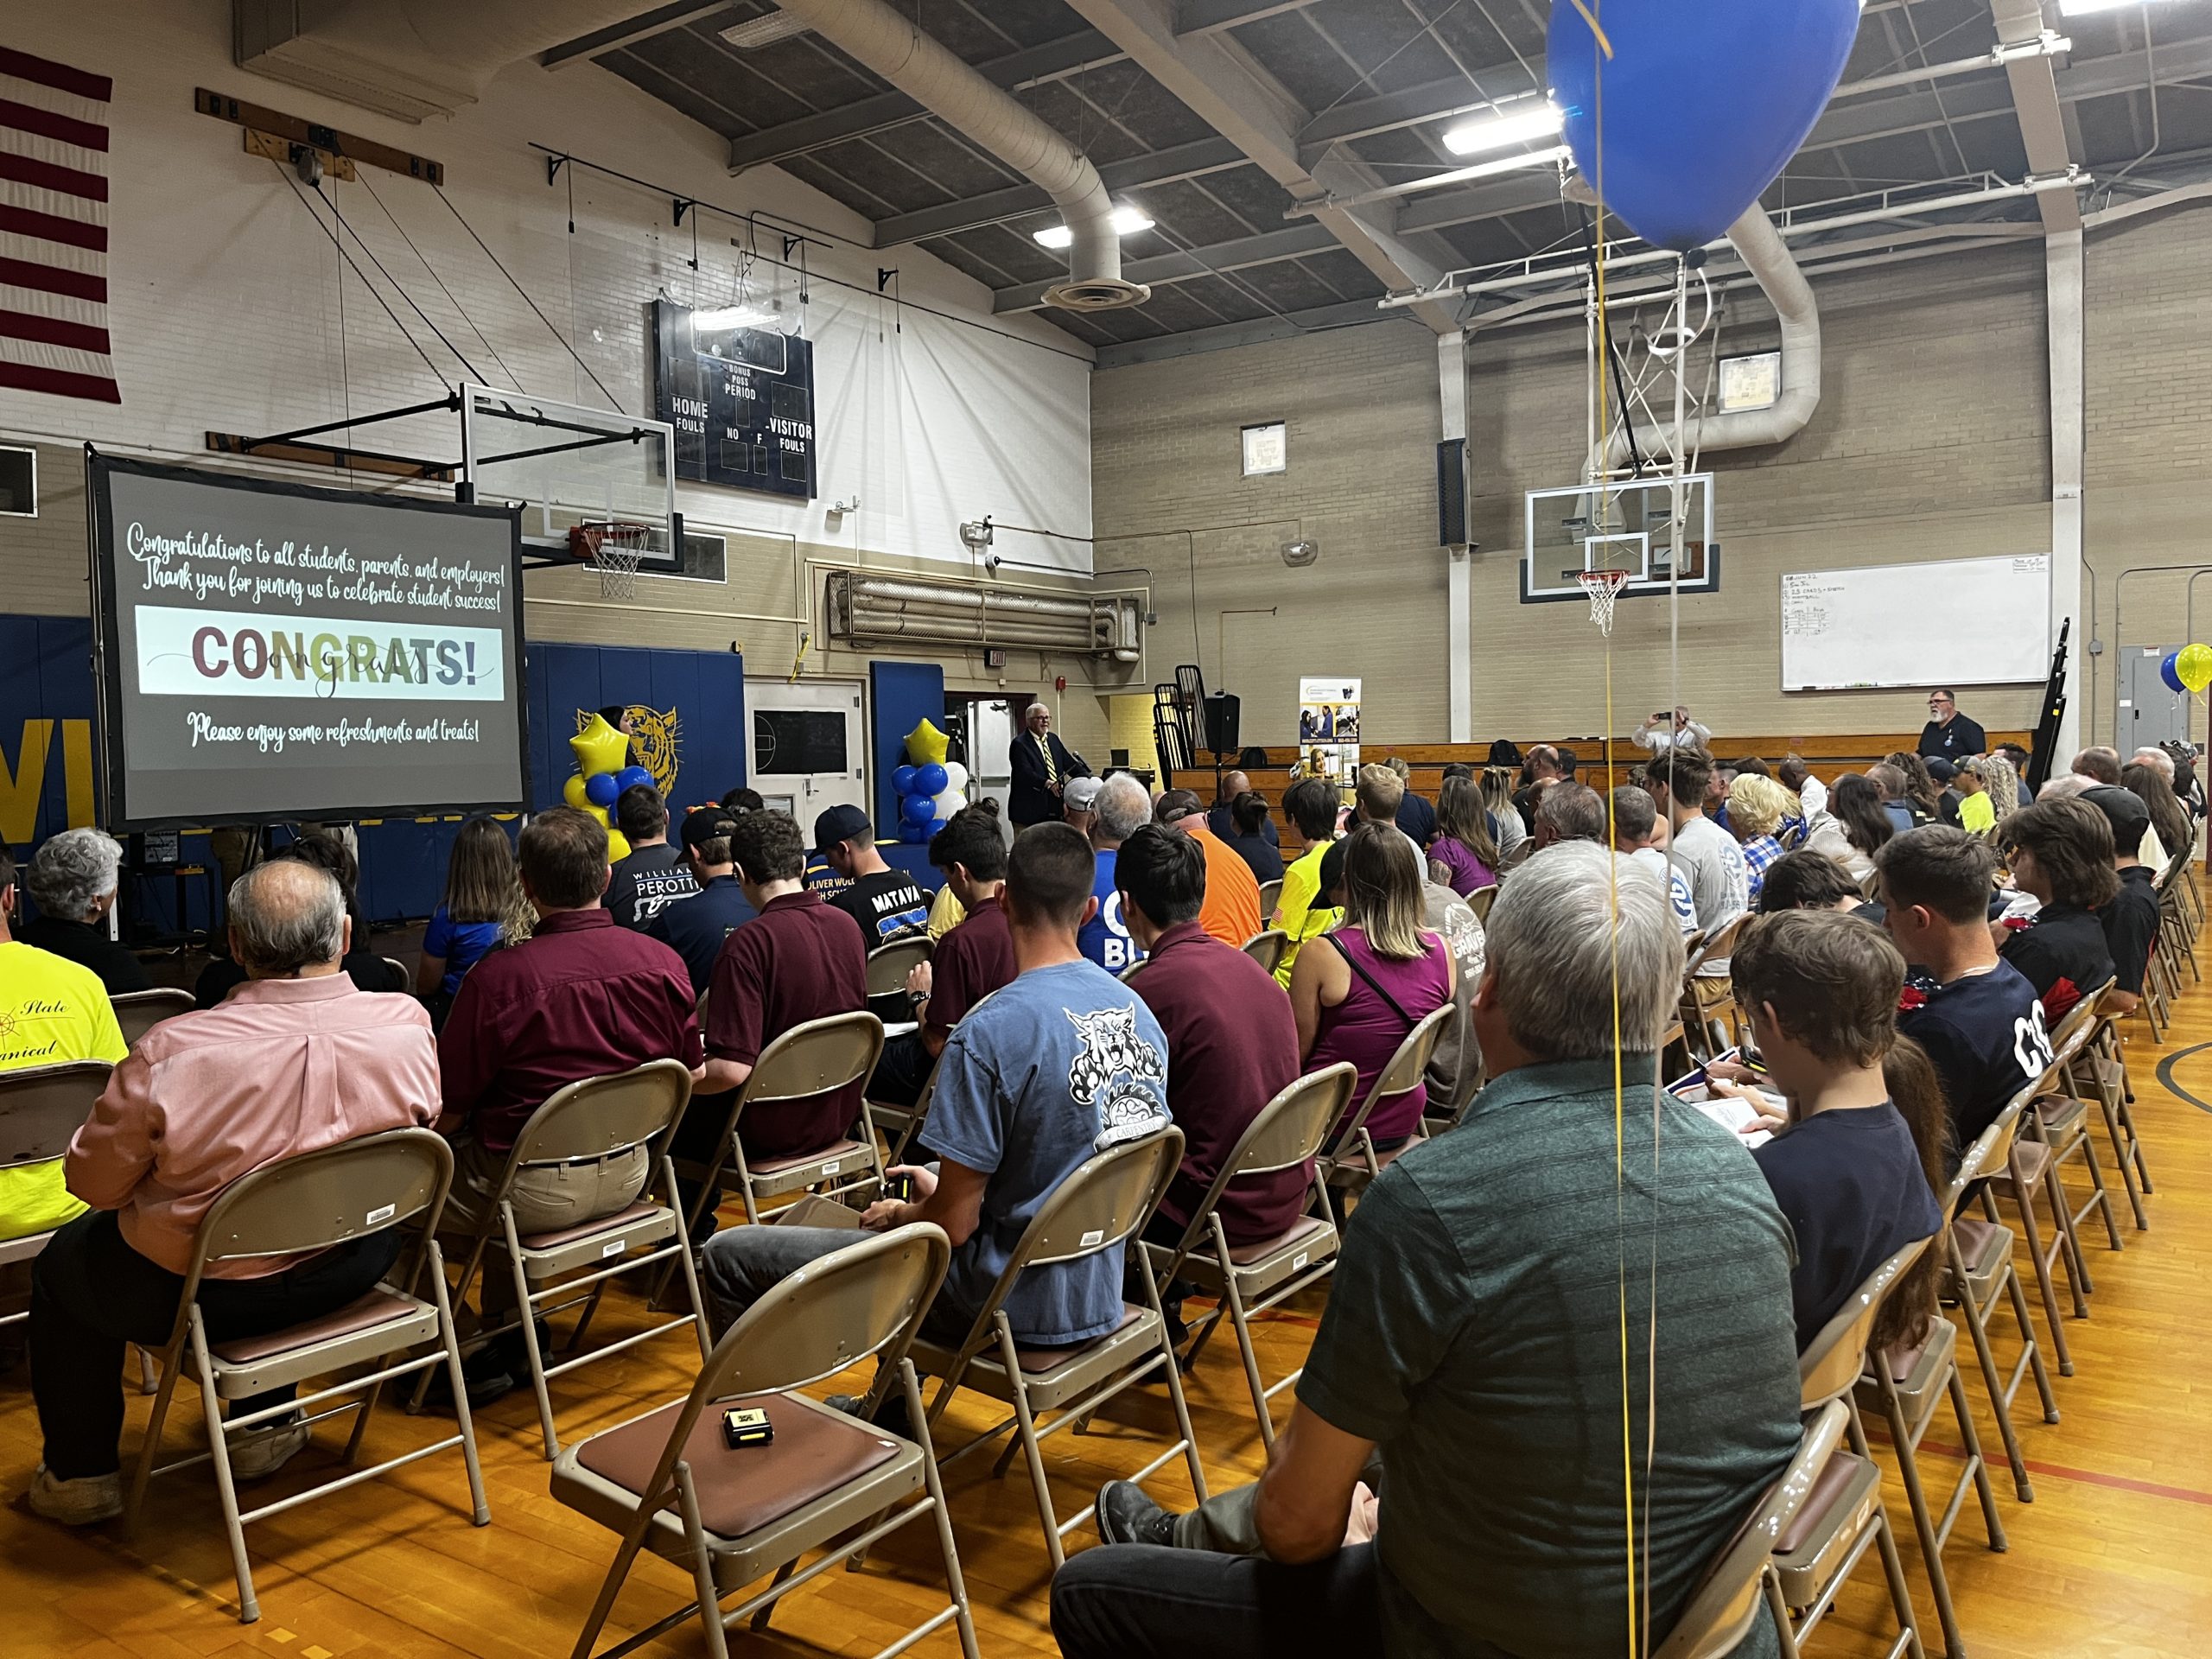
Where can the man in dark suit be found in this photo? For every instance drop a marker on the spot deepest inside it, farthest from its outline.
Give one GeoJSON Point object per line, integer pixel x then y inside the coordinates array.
{"type": "Point", "coordinates": [1041, 766]}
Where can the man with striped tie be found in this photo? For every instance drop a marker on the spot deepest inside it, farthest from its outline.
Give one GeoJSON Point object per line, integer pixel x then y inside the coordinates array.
{"type": "Point", "coordinates": [1041, 766]}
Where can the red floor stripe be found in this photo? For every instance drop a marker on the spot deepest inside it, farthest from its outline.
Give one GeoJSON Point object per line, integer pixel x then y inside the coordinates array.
{"type": "Point", "coordinates": [2091, 1477]}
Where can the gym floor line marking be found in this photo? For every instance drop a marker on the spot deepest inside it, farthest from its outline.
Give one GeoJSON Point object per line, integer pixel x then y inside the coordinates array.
{"type": "Point", "coordinates": [2166, 1076]}
{"type": "Point", "coordinates": [2090, 1477]}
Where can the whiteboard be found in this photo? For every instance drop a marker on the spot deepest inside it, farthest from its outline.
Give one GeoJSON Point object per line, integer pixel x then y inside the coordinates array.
{"type": "Point", "coordinates": [1944, 622]}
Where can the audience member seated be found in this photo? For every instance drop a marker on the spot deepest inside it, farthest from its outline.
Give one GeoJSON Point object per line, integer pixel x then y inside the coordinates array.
{"type": "Point", "coordinates": [296, 1059]}
{"type": "Point", "coordinates": [368, 970]}
{"type": "Point", "coordinates": [1231, 912]}
{"type": "Point", "coordinates": [58, 1011]}
{"type": "Point", "coordinates": [2017, 757]}
{"type": "Point", "coordinates": [2061, 852]}
{"type": "Point", "coordinates": [1856, 1157]}
{"type": "Point", "coordinates": [1569, 811]}
{"type": "Point", "coordinates": [1222, 819]}
{"type": "Point", "coordinates": [1794, 775]}
{"type": "Point", "coordinates": [1248, 830]}
{"type": "Point", "coordinates": [483, 909]}
{"type": "Point", "coordinates": [973, 960]}
{"type": "Point", "coordinates": [1977, 809]}
{"type": "Point", "coordinates": [945, 913]}
{"type": "Point", "coordinates": [73, 879]}
{"type": "Point", "coordinates": [1975, 1014]}
{"type": "Point", "coordinates": [743, 800]}
{"type": "Point", "coordinates": [1809, 881]}
{"type": "Point", "coordinates": [2099, 764]}
{"type": "Point", "coordinates": [1543, 767]}
{"type": "Point", "coordinates": [1415, 816]}
{"type": "Point", "coordinates": [1376, 798]}
{"type": "Point", "coordinates": [1455, 1066]}
{"type": "Point", "coordinates": [1062, 1064]}
{"type": "Point", "coordinates": [1471, 1343]}
{"type": "Point", "coordinates": [889, 905]}
{"type": "Point", "coordinates": [1358, 991]}
{"type": "Point", "coordinates": [1862, 822]}
{"type": "Point", "coordinates": [2177, 828]}
{"type": "Point", "coordinates": [695, 927]}
{"type": "Point", "coordinates": [1309, 808]}
{"type": "Point", "coordinates": [1720, 880]}
{"type": "Point", "coordinates": [1463, 848]}
{"type": "Point", "coordinates": [1079, 807]}
{"type": "Point", "coordinates": [1905, 812]}
{"type": "Point", "coordinates": [1506, 827]}
{"type": "Point", "coordinates": [1942, 780]}
{"type": "Point", "coordinates": [652, 877]}
{"type": "Point", "coordinates": [2131, 920]}
{"type": "Point", "coordinates": [1104, 938]}
{"type": "Point", "coordinates": [1640, 833]}
{"type": "Point", "coordinates": [1756, 808]}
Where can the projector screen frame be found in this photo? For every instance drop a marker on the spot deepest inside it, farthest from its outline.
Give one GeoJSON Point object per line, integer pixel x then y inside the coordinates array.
{"type": "Point", "coordinates": [109, 767]}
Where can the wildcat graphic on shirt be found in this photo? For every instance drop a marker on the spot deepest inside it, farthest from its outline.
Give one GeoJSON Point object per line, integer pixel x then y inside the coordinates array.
{"type": "Point", "coordinates": [1109, 1069]}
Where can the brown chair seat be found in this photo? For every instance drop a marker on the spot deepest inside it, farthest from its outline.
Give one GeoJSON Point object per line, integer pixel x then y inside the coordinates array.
{"type": "Point", "coordinates": [1903, 1362]}
{"type": "Point", "coordinates": [1244, 1256]}
{"type": "Point", "coordinates": [1980, 1242]}
{"type": "Point", "coordinates": [380, 1307]}
{"type": "Point", "coordinates": [2058, 1114]}
{"type": "Point", "coordinates": [554, 1240]}
{"type": "Point", "coordinates": [743, 1489]}
{"type": "Point", "coordinates": [1828, 1490]}
{"type": "Point", "coordinates": [1035, 1362]}
{"type": "Point", "coordinates": [778, 1166]}
{"type": "Point", "coordinates": [2034, 1158]}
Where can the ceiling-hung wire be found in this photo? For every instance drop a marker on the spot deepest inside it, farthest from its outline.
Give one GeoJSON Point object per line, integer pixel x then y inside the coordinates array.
{"type": "Point", "coordinates": [513, 380]}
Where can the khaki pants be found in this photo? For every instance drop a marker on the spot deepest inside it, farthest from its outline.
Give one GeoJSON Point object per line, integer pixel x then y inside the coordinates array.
{"type": "Point", "coordinates": [546, 1198]}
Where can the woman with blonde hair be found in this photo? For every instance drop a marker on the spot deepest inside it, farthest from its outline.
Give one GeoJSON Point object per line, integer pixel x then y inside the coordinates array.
{"type": "Point", "coordinates": [483, 909]}
{"type": "Point", "coordinates": [1757, 807]}
{"type": "Point", "coordinates": [1497, 785]}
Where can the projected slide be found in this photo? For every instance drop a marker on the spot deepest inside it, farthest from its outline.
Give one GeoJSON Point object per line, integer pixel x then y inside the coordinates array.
{"type": "Point", "coordinates": [274, 651]}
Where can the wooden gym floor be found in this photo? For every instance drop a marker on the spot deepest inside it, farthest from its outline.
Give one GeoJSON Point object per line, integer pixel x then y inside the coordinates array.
{"type": "Point", "coordinates": [2112, 1561]}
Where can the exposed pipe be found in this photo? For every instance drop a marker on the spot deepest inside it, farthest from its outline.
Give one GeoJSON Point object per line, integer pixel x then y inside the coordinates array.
{"type": "Point", "coordinates": [933, 76]}
{"type": "Point", "coordinates": [995, 601]}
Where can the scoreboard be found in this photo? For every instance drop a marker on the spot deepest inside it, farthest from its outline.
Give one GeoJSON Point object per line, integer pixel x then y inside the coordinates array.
{"type": "Point", "coordinates": [741, 398]}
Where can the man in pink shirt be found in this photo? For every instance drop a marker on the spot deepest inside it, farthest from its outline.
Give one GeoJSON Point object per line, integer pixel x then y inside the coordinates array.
{"type": "Point", "coordinates": [294, 1061]}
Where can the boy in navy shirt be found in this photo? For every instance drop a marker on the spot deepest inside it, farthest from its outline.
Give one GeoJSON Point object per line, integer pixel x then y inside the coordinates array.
{"type": "Point", "coordinates": [697, 926]}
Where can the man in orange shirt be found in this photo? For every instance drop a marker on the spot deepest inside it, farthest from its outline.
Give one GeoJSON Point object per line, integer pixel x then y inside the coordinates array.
{"type": "Point", "coordinates": [1231, 910]}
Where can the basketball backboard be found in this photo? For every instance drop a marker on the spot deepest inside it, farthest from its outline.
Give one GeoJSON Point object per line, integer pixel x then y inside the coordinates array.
{"type": "Point", "coordinates": [1624, 525]}
{"type": "Point", "coordinates": [568, 464]}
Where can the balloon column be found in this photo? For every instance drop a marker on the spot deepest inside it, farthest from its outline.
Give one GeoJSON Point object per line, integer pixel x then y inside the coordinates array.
{"type": "Point", "coordinates": [2188, 670]}
{"type": "Point", "coordinates": [931, 788]}
{"type": "Point", "coordinates": [602, 775]}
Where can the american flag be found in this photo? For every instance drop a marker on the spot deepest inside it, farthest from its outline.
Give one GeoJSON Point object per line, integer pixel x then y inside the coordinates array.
{"type": "Point", "coordinates": [54, 139]}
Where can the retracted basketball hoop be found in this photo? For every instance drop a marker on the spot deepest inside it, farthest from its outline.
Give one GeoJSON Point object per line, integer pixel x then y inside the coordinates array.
{"type": "Point", "coordinates": [615, 548]}
{"type": "Point", "coordinates": [1604, 587]}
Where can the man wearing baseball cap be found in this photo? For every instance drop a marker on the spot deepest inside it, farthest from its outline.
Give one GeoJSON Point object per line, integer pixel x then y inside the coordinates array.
{"type": "Point", "coordinates": [697, 927]}
{"type": "Point", "coordinates": [2131, 920]}
{"type": "Point", "coordinates": [1080, 802]}
{"type": "Point", "coordinates": [888, 904]}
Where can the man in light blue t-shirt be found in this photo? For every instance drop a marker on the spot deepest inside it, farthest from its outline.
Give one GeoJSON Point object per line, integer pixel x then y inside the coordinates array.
{"type": "Point", "coordinates": [1104, 936]}
{"type": "Point", "coordinates": [1054, 1068]}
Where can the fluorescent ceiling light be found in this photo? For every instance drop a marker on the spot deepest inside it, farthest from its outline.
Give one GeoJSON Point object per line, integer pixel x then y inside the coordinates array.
{"type": "Point", "coordinates": [1497, 131]}
{"type": "Point", "coordinates": [732, 316]}
{"type": "Point", "coordinates": [764, 30]}
{"type": "Point", "coordinates": [1127, 221]}
{"type": "Point", "coordinates": [2085, 8]}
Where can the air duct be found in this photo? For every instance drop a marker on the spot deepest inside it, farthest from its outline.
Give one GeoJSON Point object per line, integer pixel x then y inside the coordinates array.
{"type": "Point", "coordinates": [1761, 248]}
{"type": "Point", "coordinates": [930, 75]}
{"type": "Point", "coordinates": [405, 58]}
{"type": "Point", "coordinates": [864, 608]}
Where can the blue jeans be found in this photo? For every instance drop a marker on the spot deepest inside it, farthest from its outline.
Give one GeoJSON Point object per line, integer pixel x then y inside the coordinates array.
{"type": "Point", "coordinates": [1133, 1601]}
{"type": "Point", "coordinates": [745, 1263]}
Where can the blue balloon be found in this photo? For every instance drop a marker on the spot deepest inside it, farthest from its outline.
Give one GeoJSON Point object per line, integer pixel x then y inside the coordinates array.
{"type": "Point", "coordinates": [2170, 674]}
{"type": "Point", "coordinates": [1704, 102]}
{"type": "Point", "coordinates": [903, 780]}
{"type": "Point", "coordinates": [914, 834]}
{"type": "Point", "coordinates": [634, 778]}
{"type": "Point", "coordinates": [602, 787]}
{"type": "Point", "coordinates": [931, 779]}
{"type": "Point", "coordinates": [918, 809]}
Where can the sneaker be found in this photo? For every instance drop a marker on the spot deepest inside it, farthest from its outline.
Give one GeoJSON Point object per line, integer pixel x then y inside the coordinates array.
{"type": "Point", "coordinates": [1126, 1515]}
{"type": "Point", "coordinates": [890, 1416]}
{"type": "Point", "coordinates": [260, 1453]}
{"type": "Point", "coordinates": [81, 1503]}
{"type": "Point", "coordinates": [484, 1372]}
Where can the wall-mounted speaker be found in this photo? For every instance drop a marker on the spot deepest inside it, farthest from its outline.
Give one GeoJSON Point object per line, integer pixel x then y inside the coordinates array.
{"type": "Point", "coordinates": [1452, 493]}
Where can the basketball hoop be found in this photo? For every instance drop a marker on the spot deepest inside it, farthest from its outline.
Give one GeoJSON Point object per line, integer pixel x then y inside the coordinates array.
{"type": "Point", "coordinates": [615, 548]}
{"type": "Point", "coordinates": [1604, 587]}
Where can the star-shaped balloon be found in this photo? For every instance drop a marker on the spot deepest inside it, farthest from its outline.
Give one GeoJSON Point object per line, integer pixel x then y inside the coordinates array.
{"type": "Point", "coordinates": [600, 748]}
{"type": "Point", "coordinates": [925, 744]}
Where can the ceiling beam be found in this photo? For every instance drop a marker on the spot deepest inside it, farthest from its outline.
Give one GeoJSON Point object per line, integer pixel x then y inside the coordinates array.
{"type": "Point", "coordinates": [644, 26]}
{"type": "Point", "coordinates": [1293, 242]}
{"type": "Point", "coordinates": [2043, 119]}
{"type": "Point", "coordinates": [1212, 16]}
{"type": "Point", "coordinates": [1085, 48]}
{"type": "Point", "coordinates": [1438, 100]}
{"type": "Point", "coordinates": [1218, 81]}
{"type": "Point", "coordinates": [1222, 336]}
{"type": "Point", "coordinates": [1191, 160]}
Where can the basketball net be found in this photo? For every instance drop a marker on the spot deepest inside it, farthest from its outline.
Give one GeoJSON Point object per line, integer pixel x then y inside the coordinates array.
{"type": "Point", "coordinates": [1604, 587]}
{"type": "Point", "coordinates": [614, 549]}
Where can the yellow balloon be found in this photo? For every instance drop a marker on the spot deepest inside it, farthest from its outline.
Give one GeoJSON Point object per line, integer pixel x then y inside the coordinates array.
{"type": "Point", "coordinates": [925, 744]}
{"type": "Point", "coordinates": [573, 792]}
{"type": "Point", "coordinates": [599, 816]}
{"type": "Point", "coordinates": [618, 846]}
{"type": "Point", "coordinates": [600, 748]}
{"type": "Point", "coordinates": [2194, 665]}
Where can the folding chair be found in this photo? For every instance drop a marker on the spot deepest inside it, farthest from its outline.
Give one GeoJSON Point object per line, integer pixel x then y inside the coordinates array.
{"type": "Point", "coordinates": [1352, 1161]}
{"type": "Point", "coordinates": [595, 1118]}
{"type": "Point", "coordinates": [1724, 1606]}
{"type": "Point", "coordinates": [139, 1012]}
{"type": "Point", "coordinates": [889, 965]}
{"type": "Point", "coordinates": [1518, 856]}
{"type": "Point", "coordinates": [1105, 1201]}
{"type": "Point", "coordinates": [807, 1060]}
{"type": "Point", "coordinates": [2059, 1118]}
{"type": "Point", "coordinates": [2097, 1069]}
{"type": "Point", "coordinates": [42, 1109]}
{"type": "Point", "coordinates": [1843, 1516]}
{"type": "Point", "coordinates": [1980, 1271]}
{"type": "Point", "coordinates": [668, 1481]}
{"type": "Point", "coordinates": [1480, 901]}
{"type": "Point", "coordinates": [1709, 997]}
{"type": "Point", "coordinates": [1267, 946]}
{"type": "Point", "coordinates": [1270, 895]}
{"type": "Point", "coordinates": [2029, 1174]}
{"type": "Point", "coordinates": [1133, 969]}
{"type": "Point", "coordinates": [1249, 1279]}
{"type": "Point", "coordinates": [311, 1203]}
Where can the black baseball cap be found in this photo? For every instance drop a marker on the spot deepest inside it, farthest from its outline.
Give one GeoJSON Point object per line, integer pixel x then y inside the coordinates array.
{"type": "Point", "coordinates": [1940, 769]}
{"type": "Point", "coordinates": [706, 823]}
{"type": "Point", "coordinates": [840, 823]}
{"type": "Point", "coordinates": [2125, 811]}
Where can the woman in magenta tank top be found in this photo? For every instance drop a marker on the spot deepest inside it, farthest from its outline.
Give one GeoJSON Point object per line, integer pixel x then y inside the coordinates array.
{"type": "Point", "coordinates": [1464, 846]}
{"type": "Point", "coordinates": [1357, 991]}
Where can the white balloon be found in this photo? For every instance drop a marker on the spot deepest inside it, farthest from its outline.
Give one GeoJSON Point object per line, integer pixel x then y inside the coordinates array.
{"type": "Point", "coordinates": [955, 777]}
{"type": "Point", "coordinates": [949, 801]}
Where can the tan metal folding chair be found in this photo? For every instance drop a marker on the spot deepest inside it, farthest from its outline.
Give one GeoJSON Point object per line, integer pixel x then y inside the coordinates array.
{"type": "Point", "coordinates": [139, 1012]}
{"type": "Point", "coordinates": [1480, 901]}
{"type": "Point", "coordinates": [1104, 1201]}
{"type": "Point", "coordinates": [1979, 1272]}
{"type": "Point", "coordinates": [2098, 1071]}
{"type": "Point", "coordinates": [731, 1516]}
{"type": "Point", "coordinates": [595, 1118]}
{"type": "Point", "coordinates": [42, 1109]}
{"type": "Point", "coordinates": [2030, 1174]}
{"type": "Point", "coordinates": [1133, 969]}
{"type": "Point", "coordinates": [1267, 946]}
{"type": "Point", "coordinates": [1726, 1601]}
{"type": "Point", "coordinates": [1843, 1516]}
{"type": "Point", "coordinates": [1270, 896]}
{"type": "Point", "coordinates": [1352, 1161]}
{"type": "Point", "coordinates": [311, 1203]}
{"type": "Point", "coordinates": [807, 1060]}
{"type": "Point", "coordinates": [889, 965]}
{"type": "Point", "coordinates": [2059, 1118]}
{"type": "Point", "coordinates": [1711, 1019]}
{"type": "Point", "coordinates": [1249, 1279]}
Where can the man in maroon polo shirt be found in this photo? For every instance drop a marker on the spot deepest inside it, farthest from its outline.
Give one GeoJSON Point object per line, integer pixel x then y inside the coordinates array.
{"type": "Point", "coordinates": [799, 959]}
{"type": "Point", "coordinates": [971, 961]}
{"type": "Point", "coordinates": [1232, 1042]}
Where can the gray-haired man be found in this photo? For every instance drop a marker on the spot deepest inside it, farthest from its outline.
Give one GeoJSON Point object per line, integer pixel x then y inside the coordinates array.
{"type": "Point", "coordinates": [1472, 1341]}
{"type": "Point", "coordinates": [1122, 807]}
{"type": "Point", "coordinates": [1040, 766]}
{"type": "Point", "coordinates": [72, 879]}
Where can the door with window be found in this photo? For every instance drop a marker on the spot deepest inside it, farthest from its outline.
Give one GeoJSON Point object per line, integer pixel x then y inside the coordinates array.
{"type": "Point", "coordinates": [807, 750]}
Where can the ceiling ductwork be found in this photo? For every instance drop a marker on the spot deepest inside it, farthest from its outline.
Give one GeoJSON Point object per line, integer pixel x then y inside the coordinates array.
{"type": "Point", "coordinates": [871, 610]}
{"type": "Point", "coordinates": [937, 79]}
{"type": "Point", "coordinates": [405, 58]}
